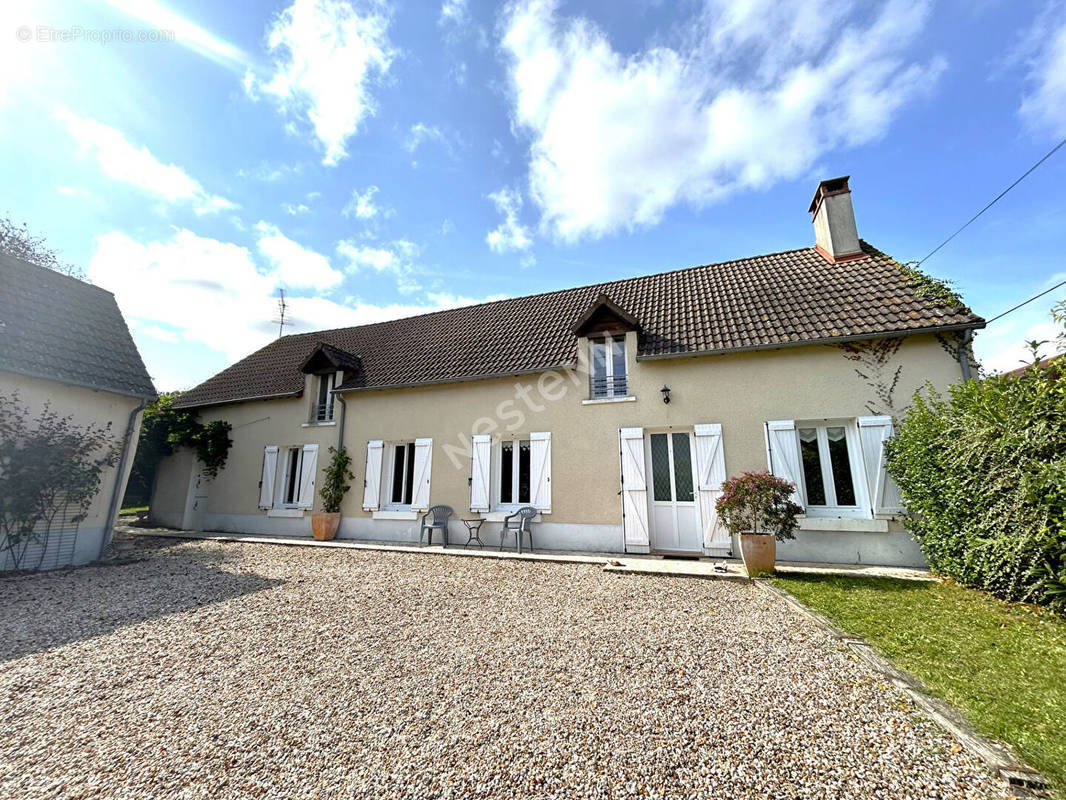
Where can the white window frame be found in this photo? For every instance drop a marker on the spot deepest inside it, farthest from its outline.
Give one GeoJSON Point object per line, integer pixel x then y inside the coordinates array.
{"type": "Point", "coordinates": [389, 474]}
{"type": "Point", "coordinates": [497, 472]}
{"type": "Point", "coordinates": [283, 474]}
{"type": "Point", "coordinates": [610, 390]}
{"type": "Point", "coordinates": [861, 509]}
{"type": "Point", "coordinates": [330, 380]}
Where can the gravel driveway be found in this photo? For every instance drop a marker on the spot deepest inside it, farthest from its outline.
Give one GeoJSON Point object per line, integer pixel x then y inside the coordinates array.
{"type": "Point", "coordinates": [210, 670]}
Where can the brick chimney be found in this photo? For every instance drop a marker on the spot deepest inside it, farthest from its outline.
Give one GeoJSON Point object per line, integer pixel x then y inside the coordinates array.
{"type": "Point", "coordinates": [835, 236]}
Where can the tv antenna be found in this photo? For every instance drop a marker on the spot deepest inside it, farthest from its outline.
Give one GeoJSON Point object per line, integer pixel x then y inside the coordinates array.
{"type": "Point", "coordinates": [282, 306]}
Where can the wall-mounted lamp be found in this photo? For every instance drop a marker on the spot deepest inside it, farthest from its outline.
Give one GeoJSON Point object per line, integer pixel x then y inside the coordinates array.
{"type": "Point", "coordinates": [666, 393]}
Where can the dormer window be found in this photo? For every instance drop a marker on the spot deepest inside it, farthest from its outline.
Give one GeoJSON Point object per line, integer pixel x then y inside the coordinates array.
{"type": "Point", "coordinates": [323, 410]}
{"type": "Point", "coordinates": [605, 325]}
{"type": "Point", "coordinates": [607, 376]}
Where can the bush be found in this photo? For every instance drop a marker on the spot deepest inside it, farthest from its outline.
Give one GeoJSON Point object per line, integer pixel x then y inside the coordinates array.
{"type": "Point", "coordinates": [983, 475]}
{"type": "Point", "coordinates": [757, 502]}
{"type": "Point", "coordinates": [337, 480]}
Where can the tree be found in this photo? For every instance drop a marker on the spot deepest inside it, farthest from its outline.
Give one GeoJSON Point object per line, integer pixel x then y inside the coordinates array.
{"type": "Point", "coordinates": [16, 240]}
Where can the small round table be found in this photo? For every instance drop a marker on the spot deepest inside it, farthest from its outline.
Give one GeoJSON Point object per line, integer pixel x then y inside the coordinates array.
{"type": "Point", "coordinates": [473, 527]}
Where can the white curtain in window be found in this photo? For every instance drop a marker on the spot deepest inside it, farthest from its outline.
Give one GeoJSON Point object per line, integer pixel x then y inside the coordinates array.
{"type": "Point", "coordinates": [270, 471]}
{"type": "Point", "coordinates": [372, 481]}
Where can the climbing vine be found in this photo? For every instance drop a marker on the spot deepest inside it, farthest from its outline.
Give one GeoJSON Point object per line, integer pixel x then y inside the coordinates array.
{"type": "Point", "coordinates": [874, 358]}
{"type": "Point", "coordinates": [166, 429]}
{"type": "Point", "coordinates": [926, 286]}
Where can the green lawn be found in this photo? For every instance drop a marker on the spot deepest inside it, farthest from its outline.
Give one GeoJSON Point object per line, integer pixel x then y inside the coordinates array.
{"type": "Point", "coordinates": [1003, 665]}
{"type": "Point", "coordinates": [132, 509]}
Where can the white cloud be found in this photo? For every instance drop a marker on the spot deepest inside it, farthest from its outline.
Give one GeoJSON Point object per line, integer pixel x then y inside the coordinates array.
{"type": "Point", "coordinates": [206, 291]}
{"type": "Point", "coordinates": [327, 53]}
{"type": "Point", "coordinates": [421, 133]}
{"type": "Point", "coordinates": [162, 334]}
{"type": "Point", "coordinates": [295, 209]}
{"type": "Point", "coordinates": [362, 205]}
{"type": "Point", "coordinates": [185, 32]}
{"type": "Point", "coordinates": [453, 13]}
{"type": "Point", "coordinates": [123, 161]}
{"type": "Point", "coordinates": [1044, 103]}
{"type": "Point", "coordinates": [400, 258]}
{"type": "Point", "coordinates": [295, 265]}
{"type": "Point", "coordinates": [510, 234]}
{"type": "Point", "coordinates": [756, 95]}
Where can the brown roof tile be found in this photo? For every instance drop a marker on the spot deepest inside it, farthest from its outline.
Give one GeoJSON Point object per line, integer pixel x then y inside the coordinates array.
{"type": "Point", "coordinates": [765, 301]}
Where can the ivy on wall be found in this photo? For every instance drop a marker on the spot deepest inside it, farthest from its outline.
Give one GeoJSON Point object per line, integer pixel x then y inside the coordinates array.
{"type": "Point", "coordinates": [166, 429]}
{"type": "Point", "coordinates": [874, 358]}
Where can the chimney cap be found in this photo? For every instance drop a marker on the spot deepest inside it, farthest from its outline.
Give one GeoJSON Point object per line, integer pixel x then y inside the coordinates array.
{"type": "Point", "coordinates": [829, 187]}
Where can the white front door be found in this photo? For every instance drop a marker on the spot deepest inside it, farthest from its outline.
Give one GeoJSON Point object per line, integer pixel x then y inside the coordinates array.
{"type": "Point", "coordinates": [671, 498]}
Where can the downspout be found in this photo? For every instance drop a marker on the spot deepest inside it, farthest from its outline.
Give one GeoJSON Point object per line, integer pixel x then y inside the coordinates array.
{"type": "Point", "coordinates": [116, 498]}
{"type": "Point", "coordinates": [964, 355]}
{"type": "Point", "coordinates": [340, 421]}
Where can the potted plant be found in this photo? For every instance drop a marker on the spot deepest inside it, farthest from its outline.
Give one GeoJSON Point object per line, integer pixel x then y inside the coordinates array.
{"type": "Point", "coordinates": [324, 526]}
{"type": "Point", "coordinates": [757, 507]}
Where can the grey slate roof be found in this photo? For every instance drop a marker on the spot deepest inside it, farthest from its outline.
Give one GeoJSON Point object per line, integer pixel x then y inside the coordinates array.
{"type": "Point", "coordinates": [59, 328]}
{"type": "Point", "coordinates": [773, 300]}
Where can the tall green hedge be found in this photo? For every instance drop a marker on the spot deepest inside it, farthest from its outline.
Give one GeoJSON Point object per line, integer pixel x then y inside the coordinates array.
{"type": "Point", "coordinates": [983, 474]}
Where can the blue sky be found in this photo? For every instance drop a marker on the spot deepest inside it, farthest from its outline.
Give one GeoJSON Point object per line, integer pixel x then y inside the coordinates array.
{"type": "Point", "coordinates": [378, 159]}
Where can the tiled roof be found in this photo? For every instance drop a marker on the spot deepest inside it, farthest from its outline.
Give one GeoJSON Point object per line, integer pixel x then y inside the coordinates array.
{"type": "Point", "coordinates": [59, 328]}
{"type": "Point", "coordinates": [766, 301]}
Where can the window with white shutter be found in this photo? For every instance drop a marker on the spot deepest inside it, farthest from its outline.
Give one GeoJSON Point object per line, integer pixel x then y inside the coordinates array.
{"type": "Point", "coordinates": [266, 482]}
{"type": "Point", "coordinates": [885, 498]}
{"type": "Point", "coordinates": [422, 468]}
{"type": "Point", "coordinates": [308, 473]}
{"type": "Point", "coordinates": [823, 458]}
{"type": "Point", "coordinates": [540, 457]}
{"type": "Point", "coordinates": [372, 479]}
{"type": "Point", "coordinates": [480, 456]}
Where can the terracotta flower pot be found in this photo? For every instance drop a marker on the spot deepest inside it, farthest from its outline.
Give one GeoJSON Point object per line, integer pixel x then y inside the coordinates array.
{"type": "Point", "coordinates": [324, 526]}
{"type": "Point", "coordinates": [760, 552]}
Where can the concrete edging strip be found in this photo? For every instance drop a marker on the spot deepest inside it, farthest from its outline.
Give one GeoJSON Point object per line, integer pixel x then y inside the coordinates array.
{"type": "Point", "coordinates": [1023, 779]}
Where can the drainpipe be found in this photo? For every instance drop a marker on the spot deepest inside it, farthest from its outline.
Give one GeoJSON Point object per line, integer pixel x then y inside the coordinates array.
{"type": "Point", "coordinates": [340, 421]}
{"type": "Point", "coordinates": [964, 355]}
{"type": "Point", "coordinates": [116, 497]}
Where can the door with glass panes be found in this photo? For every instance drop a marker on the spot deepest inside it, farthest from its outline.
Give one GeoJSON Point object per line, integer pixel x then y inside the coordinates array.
{"type": "Point", "coordinates": [672, 514]}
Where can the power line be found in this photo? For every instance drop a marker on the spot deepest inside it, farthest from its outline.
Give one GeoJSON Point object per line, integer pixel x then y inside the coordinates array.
{"type": "Point", "coordinates": [1026, 302]}
{"type": "Point", "coordinates": [999, 197]}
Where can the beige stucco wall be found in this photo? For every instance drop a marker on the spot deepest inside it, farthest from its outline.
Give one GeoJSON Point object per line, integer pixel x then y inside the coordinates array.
{"type": "Point", "coordinates": [86, 406]}
{"type": "Point", "coordinates": [741, 391]}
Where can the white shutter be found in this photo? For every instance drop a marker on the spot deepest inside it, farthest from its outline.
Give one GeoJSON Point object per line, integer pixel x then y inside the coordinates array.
{"type": "Point", "coordinates": [634, 490]}
{"type": "Point", "coordinates": [270, 470]}
{"type": "Point", "coordinates": [784, 453]}
{"type": "Point", "coordinates": [710, 469]}
{"type": "Point", "coordinates": [540, 478]}
{"type": "Point", "coordinates": [423, 468]}
{"type": "Point", "coordinates": [884, 494]}
{"type": "Point", "coordinates": [372, 481]}
{"type": "Point", "coordinates": [308, 473]}
{"type": "Point", "coordinates": [480, 453]}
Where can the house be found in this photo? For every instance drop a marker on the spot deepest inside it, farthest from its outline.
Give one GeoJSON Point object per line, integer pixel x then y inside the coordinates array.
{"type": "Point", "coordinates": [64, 342]}
{"type": "Point", "coordinates": [615, 409]}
